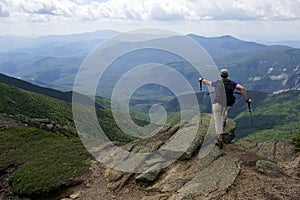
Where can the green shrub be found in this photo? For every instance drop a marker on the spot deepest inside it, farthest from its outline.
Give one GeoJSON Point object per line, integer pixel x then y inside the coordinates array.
{"type": "Point", "coordinates": [3, 128]}
{"type": "Point", "coordinates": [296, 141]}
{"type": "Point", "coordinates": [43, 160]}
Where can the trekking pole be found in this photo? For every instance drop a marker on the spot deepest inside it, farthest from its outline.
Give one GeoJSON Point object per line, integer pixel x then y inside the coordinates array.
{"type": "Point", "coordinates": [200, 101]}
{"type": "Point", "coordinates": [251, 118]}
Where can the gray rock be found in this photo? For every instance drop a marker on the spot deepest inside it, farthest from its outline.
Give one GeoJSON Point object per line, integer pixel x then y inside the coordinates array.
{"type": "Point", "coordinates": [267, 167]}
{"type": "Point", "coordinates": [147, 177]}
{"type": "Point", "coordinates": [75, 195]}
{"type": "Point", "coordinates": [182, 172]}
{"type": "Point", "coordinates": [191, 135]}
{"type": "Point", "coordinates": [186, 140]}
{"type": "Point", "coordinates": [212, 182]}
{"type": "Point", "coordinates": [50, 126]}
{"type": "Point", "coordinates": [112, 175]}
{"type": "Point", "coordinates": [44, 120]}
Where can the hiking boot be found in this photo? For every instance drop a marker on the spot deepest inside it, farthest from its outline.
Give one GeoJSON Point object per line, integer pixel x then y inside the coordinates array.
{"type": "Point", "coordinates": [220, 145]}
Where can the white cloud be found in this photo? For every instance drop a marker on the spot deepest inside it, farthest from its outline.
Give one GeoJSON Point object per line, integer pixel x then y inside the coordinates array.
{"type": "Point", "coordinates": [246, 19]}
{"type": "Point", "coordinates": [155, 9]}
{"type": "Point", "coordinates": [194, 9]}
{"type": "Point", "coordinates": [3, 9]}
{"type": "Point", "coordinates": [53, 7]}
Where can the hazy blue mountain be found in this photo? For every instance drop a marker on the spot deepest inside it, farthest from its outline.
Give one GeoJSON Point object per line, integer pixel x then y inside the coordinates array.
{"type": "Point", "coordinates": [50, 61]}
{"type": "Point", "coordinates": [291, 43]}
{"type": "Point", "coordinates": [14, 42]}
{"type": "Point", "coordinates": [226, 45]}
{"type": "Point", "coordinates": [53, 61]}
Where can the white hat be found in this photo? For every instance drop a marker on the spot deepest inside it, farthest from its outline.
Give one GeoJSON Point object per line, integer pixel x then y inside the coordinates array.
{"type": "Point", "coordinates": [224, 72]}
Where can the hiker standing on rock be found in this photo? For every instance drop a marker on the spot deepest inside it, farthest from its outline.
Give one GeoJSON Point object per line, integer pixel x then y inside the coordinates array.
{"type": "Point", "coordinates": [224, 98]}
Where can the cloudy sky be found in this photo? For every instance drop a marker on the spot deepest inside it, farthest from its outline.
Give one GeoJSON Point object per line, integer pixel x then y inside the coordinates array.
{"type": "Point", "coordinates": [246, 19]}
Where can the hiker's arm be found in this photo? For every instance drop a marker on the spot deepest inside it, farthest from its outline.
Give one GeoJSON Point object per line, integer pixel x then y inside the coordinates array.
{"type": "Point", "coordinates": [206, 82]}
{"type": "Point", "coordinates": [244, 93]}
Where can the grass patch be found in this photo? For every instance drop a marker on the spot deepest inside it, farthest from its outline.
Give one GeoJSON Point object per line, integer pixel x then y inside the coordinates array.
{"type": "Point", "coordinates": [283, 133]}
{"type": "Point", "coordinates": [43, 160]}
{"type": "Point", "coordinates": [17, 101]}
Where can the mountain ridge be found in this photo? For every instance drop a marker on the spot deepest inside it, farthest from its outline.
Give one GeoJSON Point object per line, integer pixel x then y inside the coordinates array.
{"type": "Point", "coordinates": [57, 94]}
{"type": "Point", "coordinates": [254, 65]}
{"type": "Point", "coordinates": [11, 42]}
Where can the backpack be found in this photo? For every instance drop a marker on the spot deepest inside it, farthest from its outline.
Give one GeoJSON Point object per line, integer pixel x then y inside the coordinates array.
{"type": "Point", "coordinates": [228, 85]}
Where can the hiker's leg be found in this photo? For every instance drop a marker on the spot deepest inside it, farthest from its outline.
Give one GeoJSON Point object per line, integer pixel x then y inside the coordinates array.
{"type": "Point", "coordinates": [224, 115]}
{"type": "Point", "coordinates": [223, 118]}
{"type": "Point", "coordinates": [217, 114]}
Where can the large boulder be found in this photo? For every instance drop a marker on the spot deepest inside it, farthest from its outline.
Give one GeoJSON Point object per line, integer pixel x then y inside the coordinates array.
{"type": "Point", "coordinates": [178, 144]}
{"type": "Point", "coordinates": [212, 182]}
{"type": "Point", "coordinates": [187, 139]}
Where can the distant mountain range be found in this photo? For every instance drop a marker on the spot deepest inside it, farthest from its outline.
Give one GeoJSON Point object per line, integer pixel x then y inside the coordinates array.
{"type": "Point", "coordinates": [291, 43]}
{"type": "Point", "coordinates": [53, 61]}
{"type": "Point", "coordinates": [14, 42]}
{"type": "Point", "coordinates": [274, 114]}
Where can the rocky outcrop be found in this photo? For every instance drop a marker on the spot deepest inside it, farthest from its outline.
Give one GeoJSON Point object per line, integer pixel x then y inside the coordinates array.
{"type": "Point", "coordinates": [242, 170]}
{"type": "Point", "coordinates": [41, 123]}
{"type": "Point", "coordinates": [189, 176]}
{"type": "Point", "coordinates": [9, 122]}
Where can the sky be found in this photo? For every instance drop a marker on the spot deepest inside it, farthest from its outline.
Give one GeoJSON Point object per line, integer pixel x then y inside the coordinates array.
{"type": "Point", "coordinates": [256, 20]}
